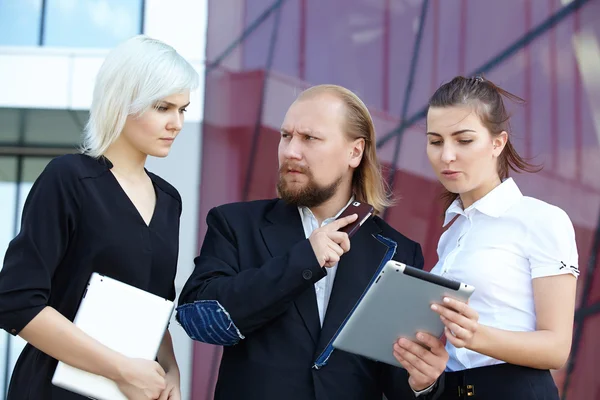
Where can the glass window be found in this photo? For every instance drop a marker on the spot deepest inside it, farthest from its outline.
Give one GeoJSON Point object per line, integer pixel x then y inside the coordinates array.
{"type": "Point", "coordinates": [9, 124]}
{"type": "Point", "coordinates": [59, 128]}
{"type": "Point", "coordinates": [54, 127]}
{"type": "Point", "coordinates": [8, 195]}
{"type": "Point", "coordinates": [20, 22]}
{"type": "Point", "coordinates": [91, 23]}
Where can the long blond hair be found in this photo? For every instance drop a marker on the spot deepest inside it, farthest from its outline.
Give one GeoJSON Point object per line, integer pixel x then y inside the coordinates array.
{"type": "Point", "coordinates": [368, 184]}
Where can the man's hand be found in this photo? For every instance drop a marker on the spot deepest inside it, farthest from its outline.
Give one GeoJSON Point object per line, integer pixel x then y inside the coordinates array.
{"type": "Point", "coordinates": [329, 244]}
{"type": "Point", "coordinates": [424, 366]}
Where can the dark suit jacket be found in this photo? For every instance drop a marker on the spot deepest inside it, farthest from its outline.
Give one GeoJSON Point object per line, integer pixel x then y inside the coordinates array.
{"type": "Point", "coordinates": [256, 261]}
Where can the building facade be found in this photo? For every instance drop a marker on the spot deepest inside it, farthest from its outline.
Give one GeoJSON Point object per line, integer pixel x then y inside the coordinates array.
{"type": "Point", "coordinates": [394, 54]}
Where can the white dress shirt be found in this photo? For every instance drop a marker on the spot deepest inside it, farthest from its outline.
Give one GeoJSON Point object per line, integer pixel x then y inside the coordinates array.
{"type": "Point", "coordinates": [324, 286]}
{"type": "Point", "coordinates": [499, 245]}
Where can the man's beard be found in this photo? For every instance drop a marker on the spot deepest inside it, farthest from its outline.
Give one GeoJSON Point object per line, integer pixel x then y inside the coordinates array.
{"type": "Point", "coordinates": [311, 195]}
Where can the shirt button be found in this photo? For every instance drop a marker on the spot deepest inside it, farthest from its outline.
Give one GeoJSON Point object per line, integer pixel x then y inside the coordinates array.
{"type": "Point", "coordinates": [307, 274]}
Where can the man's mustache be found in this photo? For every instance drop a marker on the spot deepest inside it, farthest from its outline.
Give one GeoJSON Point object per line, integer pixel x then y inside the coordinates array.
{"type": "Point", "coordinates": [285, 167]}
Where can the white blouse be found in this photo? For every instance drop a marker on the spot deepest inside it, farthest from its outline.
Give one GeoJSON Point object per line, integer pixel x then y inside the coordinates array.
{"type": "Point", "coordinates": [499, 245]}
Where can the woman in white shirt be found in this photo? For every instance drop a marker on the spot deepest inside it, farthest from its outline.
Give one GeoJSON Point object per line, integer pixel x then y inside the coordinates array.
{"type": "Point", "coordinates": [518, 252]}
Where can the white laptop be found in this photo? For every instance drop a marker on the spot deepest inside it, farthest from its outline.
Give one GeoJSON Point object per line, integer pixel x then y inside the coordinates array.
{"type": "Point", "coordinates": [122, 317]}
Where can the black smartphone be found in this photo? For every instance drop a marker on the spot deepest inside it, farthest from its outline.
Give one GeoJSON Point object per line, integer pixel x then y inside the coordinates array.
{"type": "Point", "coordinates": [364, 211]}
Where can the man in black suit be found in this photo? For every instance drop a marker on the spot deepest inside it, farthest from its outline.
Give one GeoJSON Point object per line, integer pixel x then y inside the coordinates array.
{"type": "Point", "coordinates": [275, 279]}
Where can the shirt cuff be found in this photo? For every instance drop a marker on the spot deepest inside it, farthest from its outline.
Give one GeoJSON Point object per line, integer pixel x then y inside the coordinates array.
{"type": "Point", "coordinates": [424, 391]}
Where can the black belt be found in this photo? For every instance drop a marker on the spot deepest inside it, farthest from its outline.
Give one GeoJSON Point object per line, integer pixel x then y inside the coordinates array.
{"type": "Point", "coordinates": [489, 382]}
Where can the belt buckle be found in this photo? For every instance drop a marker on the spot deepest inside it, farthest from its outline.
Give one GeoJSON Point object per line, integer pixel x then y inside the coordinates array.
{"type": "Point", "coordinates": [468, 390]}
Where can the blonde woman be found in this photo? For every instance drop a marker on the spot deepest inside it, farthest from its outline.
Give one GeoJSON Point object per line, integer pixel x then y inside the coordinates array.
{"type": "Point", "coordinates": [101, 211]}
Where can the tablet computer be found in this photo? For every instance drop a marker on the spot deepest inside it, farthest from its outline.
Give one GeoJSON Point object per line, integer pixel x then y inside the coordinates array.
{"type": "Point", "coordinates": [397, 304]}
{"type": "Point", "coordinates": [124, 318]}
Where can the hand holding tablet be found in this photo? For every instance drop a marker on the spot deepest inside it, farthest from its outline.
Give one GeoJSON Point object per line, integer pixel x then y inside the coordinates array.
{"type": "Point", "coordinates": [397, 305]}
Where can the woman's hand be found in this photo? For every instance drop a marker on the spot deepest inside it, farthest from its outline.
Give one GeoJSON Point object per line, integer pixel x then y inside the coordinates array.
{"type": "Point", "coordinates": [141, 379]}
{"type": "Point", "coordinates": [172, 391]}
{"type": "Point", "coordinates": [461, 322]}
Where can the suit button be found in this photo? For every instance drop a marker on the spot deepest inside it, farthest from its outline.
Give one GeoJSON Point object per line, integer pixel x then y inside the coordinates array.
{"type": "Point", "coordinates": [307, 274]}
{"type": "Point", "coordinates": [13, 331]}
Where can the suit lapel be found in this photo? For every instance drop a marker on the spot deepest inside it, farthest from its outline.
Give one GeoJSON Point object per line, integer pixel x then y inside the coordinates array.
{"type": "Point", "coordinates": [283, 231]}
{"type": "Point", "coordinates": [354, 272]}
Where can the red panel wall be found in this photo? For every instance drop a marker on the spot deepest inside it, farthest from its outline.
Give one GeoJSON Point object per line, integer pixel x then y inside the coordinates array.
{"type": "Point", "coordinates": [367, 46]}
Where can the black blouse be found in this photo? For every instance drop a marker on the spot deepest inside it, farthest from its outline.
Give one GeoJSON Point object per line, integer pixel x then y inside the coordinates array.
{"type": "Point", "coordinates": [77, 220]}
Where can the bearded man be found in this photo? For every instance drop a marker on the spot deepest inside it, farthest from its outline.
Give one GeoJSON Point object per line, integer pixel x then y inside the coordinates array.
{"type": "Point", "coordinates": [275, 279]}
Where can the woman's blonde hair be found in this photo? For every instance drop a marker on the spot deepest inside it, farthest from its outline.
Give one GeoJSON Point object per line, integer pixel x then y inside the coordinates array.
{"type": "Point", "coordinates": [133, 77]}
{"type": "Point", "coordinates": [367, 182]}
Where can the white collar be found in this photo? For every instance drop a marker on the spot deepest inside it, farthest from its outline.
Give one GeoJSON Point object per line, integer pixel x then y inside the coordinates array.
{"type": "Point", "coordinates": [493, 204]}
